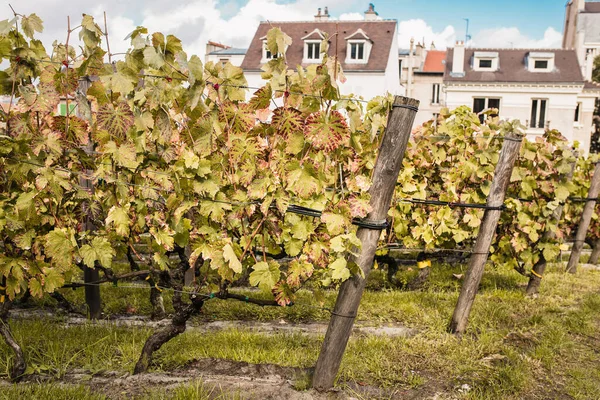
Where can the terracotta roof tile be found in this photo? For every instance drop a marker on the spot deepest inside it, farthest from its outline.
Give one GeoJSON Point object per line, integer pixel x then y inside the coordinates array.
{"type": "Point", "coordinates": [434, 61]}
{"type": "Point", "coordinates": [381, 34]}
{"type": "Point", "coordinates": [512, 67]}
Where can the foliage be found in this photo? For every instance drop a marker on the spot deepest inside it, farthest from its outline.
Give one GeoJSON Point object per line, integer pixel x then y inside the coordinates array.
{"type": "Point", "coordinates": [160, 144]}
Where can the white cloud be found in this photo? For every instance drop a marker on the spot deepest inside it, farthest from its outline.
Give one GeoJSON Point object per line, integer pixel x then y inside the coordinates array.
{"type": "Point", "coordinates": [512, 37]}
{"type": "Point", "coordinates": [419, 30]}
{"type": "Point", "coordinates": [353, 16]}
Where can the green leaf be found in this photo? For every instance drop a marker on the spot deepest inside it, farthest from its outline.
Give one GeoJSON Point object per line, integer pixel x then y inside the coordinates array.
{"type": "Point", "coordinates": [31, 24]}
{"type": "Point", "coordinates": [339, 269]}
{"type": "Point", "coordinates": [124, 155]}
{"type": "Point", "coordinates": [230, 256]}
{"type": "Point", "coordinates": [265, 275]}
{"type": "Point", "coordinates": [336, 223]}
{"type": "Point", "coordinates": [99, 250]}
{"type": "Point", "coordinates": [60, 246]}
{"type": "Point", "coordinates": [119, 216]}
{"type": "Point", "coordinates": [118, 83]}
{"type": "Point", "coordinates": [153, 58]}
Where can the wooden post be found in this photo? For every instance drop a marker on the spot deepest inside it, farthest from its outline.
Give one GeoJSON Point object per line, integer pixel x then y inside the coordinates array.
{"type": "Point", "coordinates": [535, 278]}
{"type": "Point", "coordinates": [385, 175]}
{"type": "Point", "coordinates": [508, 156]}
{"type": "Point", "coordinates": [595, 256]}
{"type": "Point", "coordinates": [586, 218]}
{"type": "Point", "coordinates": [92, 292]}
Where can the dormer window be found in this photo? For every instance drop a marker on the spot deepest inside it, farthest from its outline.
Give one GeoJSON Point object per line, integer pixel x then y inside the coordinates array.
{"type": "Point", "coordinates": [312, 47]}
{"type": "Point", "coordinates": [357, 51]}
{"type": "Point", "coordinates": [540, 62]}
{"type": "Point", "coordinates": [359, 48]}
{"type": "Point", "coordinates": [267, 55]}
{"type": "Point", "coordinates": [485, 61]}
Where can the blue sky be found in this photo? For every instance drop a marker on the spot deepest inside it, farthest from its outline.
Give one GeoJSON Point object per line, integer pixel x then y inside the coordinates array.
{"type": "Point", "coordinates": [532, 17]}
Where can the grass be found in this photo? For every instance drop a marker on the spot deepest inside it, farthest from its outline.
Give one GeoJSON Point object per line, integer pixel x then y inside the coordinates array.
{"type": "Point", "coordinates": [515, 347]}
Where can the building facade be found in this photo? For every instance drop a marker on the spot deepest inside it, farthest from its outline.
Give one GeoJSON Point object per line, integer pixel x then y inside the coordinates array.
{"type": "Point", "coordinates": [543, 88]}
{"type": "Point", "coordinates": [582, 33]}
{"type": "Point", "coordinates": [220, 53]}
{"type": "Point", "coordinates": [367, 51]}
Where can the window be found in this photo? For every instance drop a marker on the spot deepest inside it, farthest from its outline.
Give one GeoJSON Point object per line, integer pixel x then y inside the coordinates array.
{"type": "Point", "coordinates": [62, 108]}
{"type": "Point", "coordinates": [485, 63]}
{"type": "Point", "coordinates": [400, 69]}
{"type": "Point", "coordinates": [538, 113]}
{"type": "Point", "coordinates": [480, 104]}
{"type": "Point", "coordinates": [267, 55]}
{"type": "Point", "coordinates": [578, 113]}
{"type": "Point", "coordinates": [541, 64]}
{"type": "Point", "coordinates": [435, 94]}
{"type": "Point", "coordinates": [313, 51]}
{"type": "Point", "coordinates": [357, 51]}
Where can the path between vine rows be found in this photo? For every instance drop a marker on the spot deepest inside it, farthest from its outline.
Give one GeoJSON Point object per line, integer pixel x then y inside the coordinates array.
{"type": "Point", "coordinates": [281, 326]}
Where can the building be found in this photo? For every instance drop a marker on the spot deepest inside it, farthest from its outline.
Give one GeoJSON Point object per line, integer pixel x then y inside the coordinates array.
{"type": "Point", "coordinates": [543, 88]}
{"type": "Point", "coordinates": [421, 74]}
{"type": "Point", "coordinates": [367, 51]}
{"type": "Point", "coordinates": [582, 33]}
{"type": "Point", "coordinates": [220, 53]}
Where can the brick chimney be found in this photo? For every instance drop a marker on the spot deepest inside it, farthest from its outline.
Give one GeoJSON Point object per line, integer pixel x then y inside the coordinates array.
{"type": "Point", "coordinates": [322, 16]}
{"type": "Point", "coordinates": [371, 14]}
{"type": "Point", "coordinates": [458, 59]}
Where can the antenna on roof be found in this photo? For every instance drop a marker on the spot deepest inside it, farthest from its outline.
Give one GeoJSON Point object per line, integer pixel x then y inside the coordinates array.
{"type": "Point", "coordinates": [467, 36]}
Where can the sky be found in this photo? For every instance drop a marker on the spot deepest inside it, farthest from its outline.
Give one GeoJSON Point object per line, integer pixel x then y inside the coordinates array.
{"type": "Point", "coordinates": [506, 23]}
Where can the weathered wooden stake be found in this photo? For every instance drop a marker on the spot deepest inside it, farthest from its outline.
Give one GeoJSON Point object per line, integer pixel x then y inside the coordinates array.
{"type": "Point", "coordinates": [535, 278]}
{"type": "Point", "coordinates": [92, 292]}
{"type": "Point", "coordinates": [385, 175]}
{"type": "Point", "coordinates": [595, 256]}
{"type": "Point", "coordinates": [508, 156]}
{"type": "Point", "coordinates": [586, 218]}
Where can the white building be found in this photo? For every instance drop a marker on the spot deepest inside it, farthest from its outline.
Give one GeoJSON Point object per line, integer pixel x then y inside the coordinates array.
{"type": "Point", "coordinates": [543, 88]}
{"type": "Point", "coordinates": [220, 53]}
{"type": "Point", "coordinates": [367, 51]}
{"type": "Point", "coordinates": [421, 74]}
{"type": "Point", "coordinates": [582, 33]}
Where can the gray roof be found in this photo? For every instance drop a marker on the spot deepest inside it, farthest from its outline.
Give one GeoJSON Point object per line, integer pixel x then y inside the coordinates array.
{"type": "Point", "coordinates": [232, 51]}
{"type": "Point", "coordinates": [404, 52]}
{"type": "Point", "coordinates": [512, 67]}
{"type": "Point", "coordinates": [592, 6]}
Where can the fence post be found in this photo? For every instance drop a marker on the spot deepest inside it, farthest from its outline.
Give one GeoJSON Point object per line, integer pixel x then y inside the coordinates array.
{"type": "Point", "coordinates": [535, 278]}
{"type": "Point", "coordinates": [595, 256]}
{"type": "Point", "coordinates": [508, 156]}
{"type": "Point", "coordinates": [385, 174]}
{"type": "Point", "coordinates": [586, 218]}
{"type": "Point", "coordinates": [92, 292]}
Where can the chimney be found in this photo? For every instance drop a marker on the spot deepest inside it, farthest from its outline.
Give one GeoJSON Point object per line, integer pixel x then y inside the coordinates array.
{"type": "Point", "coordinates": [432, 46]}
{"type": "Point", "coordinates": [410, 68]}
{"type": "Point", "coordinates": [370, 14]}
{"type": "Point", "coordinates": [458, 59]}
{"type": "Point", "coordinates": [322, 17]}
{"type": "Point", "coordinates": [419, 50]}
{"type": "Point", "coordinates": [580, 5]}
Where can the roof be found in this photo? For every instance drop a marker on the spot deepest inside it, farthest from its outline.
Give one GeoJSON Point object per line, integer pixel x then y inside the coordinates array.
{"type": "Point", "coordinates": [592, 7]}
{"type": "Point", "coordinates": [217, 44]}
{"type": "Point", "coordinates": [404, 52]}
{"type": "Point", "coordinates": [591, 86]}
{"type": "Point", "coordinates": [512, 67]}
{"type": "Point", "coordinates": [232, 51]}
{"type": "Point", "coordinates": [434, 61]}
{"type": "Point", "coordinates": [380, 32]}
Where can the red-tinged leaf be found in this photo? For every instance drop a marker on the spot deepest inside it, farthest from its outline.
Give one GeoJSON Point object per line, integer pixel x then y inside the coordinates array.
{"type": "Point", "coordinates": [261, 98]}
{"type": "Point", "coordinates": [115, 120]}
{"type": "Point", "coordinates": [327, 132]}
{"type": "Point", "coordinates": [287, 120]}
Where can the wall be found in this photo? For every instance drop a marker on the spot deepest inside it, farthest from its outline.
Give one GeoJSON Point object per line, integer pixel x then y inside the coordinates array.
{"type": "Point", "coordinates": [234, 59]}
{"type": "Point", "coordinates": [422, 90]}
{"type": "Point", "coordinates": [515, 103]}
